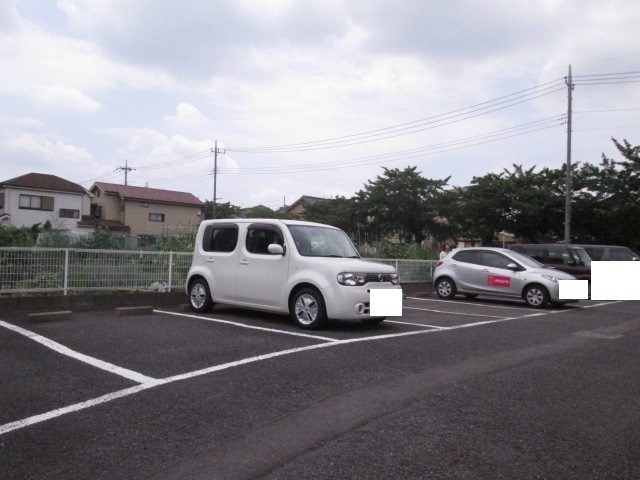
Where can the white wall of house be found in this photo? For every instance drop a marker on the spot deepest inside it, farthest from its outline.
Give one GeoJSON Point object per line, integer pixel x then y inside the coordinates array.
{"type": "Point", "coordinates": [63, 213]}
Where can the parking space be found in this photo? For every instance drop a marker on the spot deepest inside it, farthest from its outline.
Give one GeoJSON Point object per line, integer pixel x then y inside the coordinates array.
{"type": "Point", "coordinates": [55, 368]}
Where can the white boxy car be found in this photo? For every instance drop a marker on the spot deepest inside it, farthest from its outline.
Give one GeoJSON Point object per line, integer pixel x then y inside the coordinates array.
{"type": "Point", "coordinates": [307, 270]}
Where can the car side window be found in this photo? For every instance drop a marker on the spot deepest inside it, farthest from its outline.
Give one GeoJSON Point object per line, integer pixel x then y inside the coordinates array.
{"type": "Point", "coordinates": [220, 238]}
{"type": "Point", "coordinates": [535, 253]}
{"type": "Point", "coordinates": [467, 256]}
{"type": "Point", "coordinates": [559, 256]}
{"type": "Point", "coordinates": [594, 252]}
{"type": "Point", "coordinates": [495, 260]}
{"type": "Point", "coordinates": [259, 237]}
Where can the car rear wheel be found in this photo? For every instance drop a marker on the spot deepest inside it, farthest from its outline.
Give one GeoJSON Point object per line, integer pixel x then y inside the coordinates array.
{"type": "Point", "coordinates": [307, 309]}
{"type": "Point", "coordinates": [536, 296]}
{"type": "Point", "coordinates": [200, 296]}
{"type": "Point", "coordinates": [446, 288]}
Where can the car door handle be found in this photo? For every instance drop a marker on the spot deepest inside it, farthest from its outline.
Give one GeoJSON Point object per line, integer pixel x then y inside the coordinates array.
{"type": "Point", "coordinates": [484, 269]}
{"type": "Point", "coordinates": [211, 260]}
{"type": "Point", "coordinates": [244, 262]}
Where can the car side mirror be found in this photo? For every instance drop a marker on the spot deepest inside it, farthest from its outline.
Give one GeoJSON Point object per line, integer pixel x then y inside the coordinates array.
{"type": "Point", "coordinates": [512, 266]}
{"type": "Point", "coordinates": [276, 249]}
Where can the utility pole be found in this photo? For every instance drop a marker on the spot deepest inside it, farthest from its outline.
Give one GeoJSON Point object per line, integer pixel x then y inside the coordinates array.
{"type": "Point", "coordinates": [126, 169]}
{"type": "Point", "coordinates": [567, 192]}
{"type": "Point", "coordinates": [215, 151]}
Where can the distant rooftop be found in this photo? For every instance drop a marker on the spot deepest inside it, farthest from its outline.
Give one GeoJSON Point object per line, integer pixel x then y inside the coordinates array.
{"type": "Point", "coordinates": [42, 181]}
{"type": "Point", "coordinates": [148, 194]}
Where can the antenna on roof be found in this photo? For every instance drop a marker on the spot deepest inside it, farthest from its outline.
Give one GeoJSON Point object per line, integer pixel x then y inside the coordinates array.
{"type": "Point", "coordinates": [126, 169]}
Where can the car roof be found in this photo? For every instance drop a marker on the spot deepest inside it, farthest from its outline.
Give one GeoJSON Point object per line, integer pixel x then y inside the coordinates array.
{"type": "Point", "coordinates": [545, 245]}
{"type": "Point", "coordinates": [270, 221]}
{"type": "Point", "coordinates": [490, 249]}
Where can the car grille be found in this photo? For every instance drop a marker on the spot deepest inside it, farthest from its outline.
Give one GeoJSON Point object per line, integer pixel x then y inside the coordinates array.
{"type": "Point", "coordinates": [378, 277]}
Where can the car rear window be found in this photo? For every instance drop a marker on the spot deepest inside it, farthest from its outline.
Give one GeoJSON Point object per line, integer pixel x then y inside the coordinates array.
{"type": "Point", "coordinates": [220, 238]}
{"type": "Point", "coordinates": [622, 254]}
{"type": "Point", "coordinates": [467, 256]}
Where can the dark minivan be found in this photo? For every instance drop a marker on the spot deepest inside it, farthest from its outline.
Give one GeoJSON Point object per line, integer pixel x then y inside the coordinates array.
{"type": "Point", "coordinates": [567, 258]}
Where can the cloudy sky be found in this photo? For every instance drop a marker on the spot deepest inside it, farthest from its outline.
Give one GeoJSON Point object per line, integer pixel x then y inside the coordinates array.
{"type": "Point", "coordinates": [307, 97]}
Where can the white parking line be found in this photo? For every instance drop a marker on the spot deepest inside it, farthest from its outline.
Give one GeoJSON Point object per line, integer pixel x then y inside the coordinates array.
{"type": "Point", "coordinates": [460, 302]}
{"type": "Point", "coordinates": [244, 325]}
{"type": "Point", "coordinates": [109, 367]}
{"type": "Point", "coordinates": [453, 313]}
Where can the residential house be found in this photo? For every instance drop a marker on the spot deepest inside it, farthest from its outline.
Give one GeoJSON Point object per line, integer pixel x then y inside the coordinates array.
{"type": "Point", "coordinates": [38, 198]}
{"type": "Point", "coordinates": [145, 213]}
{"type": "Point", "coordinates": [299, 206]}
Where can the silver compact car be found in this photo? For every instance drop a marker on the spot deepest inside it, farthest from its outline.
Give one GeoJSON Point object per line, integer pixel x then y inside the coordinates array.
{"type": "Point", "coordinates": [477, 271]}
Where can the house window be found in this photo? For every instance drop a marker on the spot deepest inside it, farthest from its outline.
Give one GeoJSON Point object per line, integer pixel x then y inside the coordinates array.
{"type": "Point", "coordinates": [156, 217]}
{"type": "Point", "coordinates": [96, 210]}
{"type": "Point", "coordinates": [145, 240]}
{"type": "Point", "coordinates": [36, 202]}
{"type": "Point", "coordinates": [69, 213]}
{"type": "Point", "coordinates": [2, 200]}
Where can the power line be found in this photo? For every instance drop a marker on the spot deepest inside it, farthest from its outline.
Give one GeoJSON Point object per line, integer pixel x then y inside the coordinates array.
{"type": "Point", "coordinates": [415, 126]}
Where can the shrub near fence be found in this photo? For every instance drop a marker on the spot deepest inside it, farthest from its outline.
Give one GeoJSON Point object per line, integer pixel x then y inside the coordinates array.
{"type": "Point", "coordinates": [32, 270]}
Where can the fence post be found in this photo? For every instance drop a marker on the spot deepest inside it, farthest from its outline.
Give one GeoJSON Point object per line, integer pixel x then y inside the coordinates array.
{"type": "Point", "coordinates": [65, 281]}
{"type": "Point", "coordinates": [170, 270]}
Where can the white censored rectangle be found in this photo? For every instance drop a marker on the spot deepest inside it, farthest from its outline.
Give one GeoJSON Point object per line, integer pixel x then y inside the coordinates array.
{"type": "Point", "coordinates": [573, 289]}
{"type": "Point", "coordinates": [385, 302]}
{"type": "Point", "coordinates": [615, 280]}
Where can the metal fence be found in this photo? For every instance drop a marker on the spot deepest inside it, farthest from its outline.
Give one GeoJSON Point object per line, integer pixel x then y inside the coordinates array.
{"type": "Point", "coordinates": [28, 270]}
{"type": "Point", "coordinates": [64, 269]}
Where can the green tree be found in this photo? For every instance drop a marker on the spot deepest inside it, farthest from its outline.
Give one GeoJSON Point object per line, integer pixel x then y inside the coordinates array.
{"type": "Point", "coordinates": [615, 188]}
{"type": "Point", "coordinates": [341, 212]}
{"type": "Point", "coordinates": [536, 203]}
{"type": "Point", "coordinates": [480, 210]}
{"type": "Point", "coordinates": [403, 203]}
{"type": "Point", "coordinates": [223, 210]}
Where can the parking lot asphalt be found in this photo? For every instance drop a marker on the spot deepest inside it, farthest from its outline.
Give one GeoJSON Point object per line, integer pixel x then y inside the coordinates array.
{"type": "Point", "coordinates": [452, 389]}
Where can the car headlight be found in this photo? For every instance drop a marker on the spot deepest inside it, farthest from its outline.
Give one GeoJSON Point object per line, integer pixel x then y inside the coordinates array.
{"type": "Point", "coordinates": [549, 277]}
{"type": "Point", "coordinates": [352, 279]}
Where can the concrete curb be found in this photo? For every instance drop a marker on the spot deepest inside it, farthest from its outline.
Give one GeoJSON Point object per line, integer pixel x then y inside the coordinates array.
{"type": "Point", "coordinates": [127, 311]}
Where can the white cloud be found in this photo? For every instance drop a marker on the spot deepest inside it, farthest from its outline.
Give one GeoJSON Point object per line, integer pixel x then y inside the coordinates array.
{"type": "Point", "coordinates": [187, 115]}
{"type": "Point", "coordinates": [59, 96]}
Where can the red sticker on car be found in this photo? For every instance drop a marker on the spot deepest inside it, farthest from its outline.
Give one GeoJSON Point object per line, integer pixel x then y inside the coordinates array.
{"type": "Point", "coordinates": [498, 281]}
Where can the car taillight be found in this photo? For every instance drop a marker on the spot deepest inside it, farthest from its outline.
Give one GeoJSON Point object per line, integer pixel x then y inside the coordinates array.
{"type": "Point", "coordinates": [440, 262]}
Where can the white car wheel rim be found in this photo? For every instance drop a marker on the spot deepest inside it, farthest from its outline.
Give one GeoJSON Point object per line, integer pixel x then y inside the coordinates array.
{"type": "Point", "coordinates": [306, 309]}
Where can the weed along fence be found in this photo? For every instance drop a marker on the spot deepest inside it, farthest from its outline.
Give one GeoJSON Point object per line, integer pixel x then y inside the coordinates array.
{"type": "Point", "coordinates": [34, 270]}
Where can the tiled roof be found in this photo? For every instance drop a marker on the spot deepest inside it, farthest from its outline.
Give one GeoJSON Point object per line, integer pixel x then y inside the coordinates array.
{"type": "Point", "coordinates": [42, 181]}
{"type": "Point", "coordinates": [305, 199]}
{"type": "Point", "coordinates": [149, 194]}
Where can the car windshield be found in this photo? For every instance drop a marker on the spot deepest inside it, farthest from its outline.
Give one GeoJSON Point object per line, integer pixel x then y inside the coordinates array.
{"type": "Point", "coordinates": [313, 241]}
{"type": "Point", "coordinates": [525, 260]}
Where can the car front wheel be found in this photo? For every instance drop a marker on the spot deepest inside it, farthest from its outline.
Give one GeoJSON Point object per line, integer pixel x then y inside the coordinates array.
{"type": "Point", "coordinates": [446, 288]}
{"type": "Point", "coordinates": [307, 309]}
{"type": "Point", "coordinates": [536, 296]}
